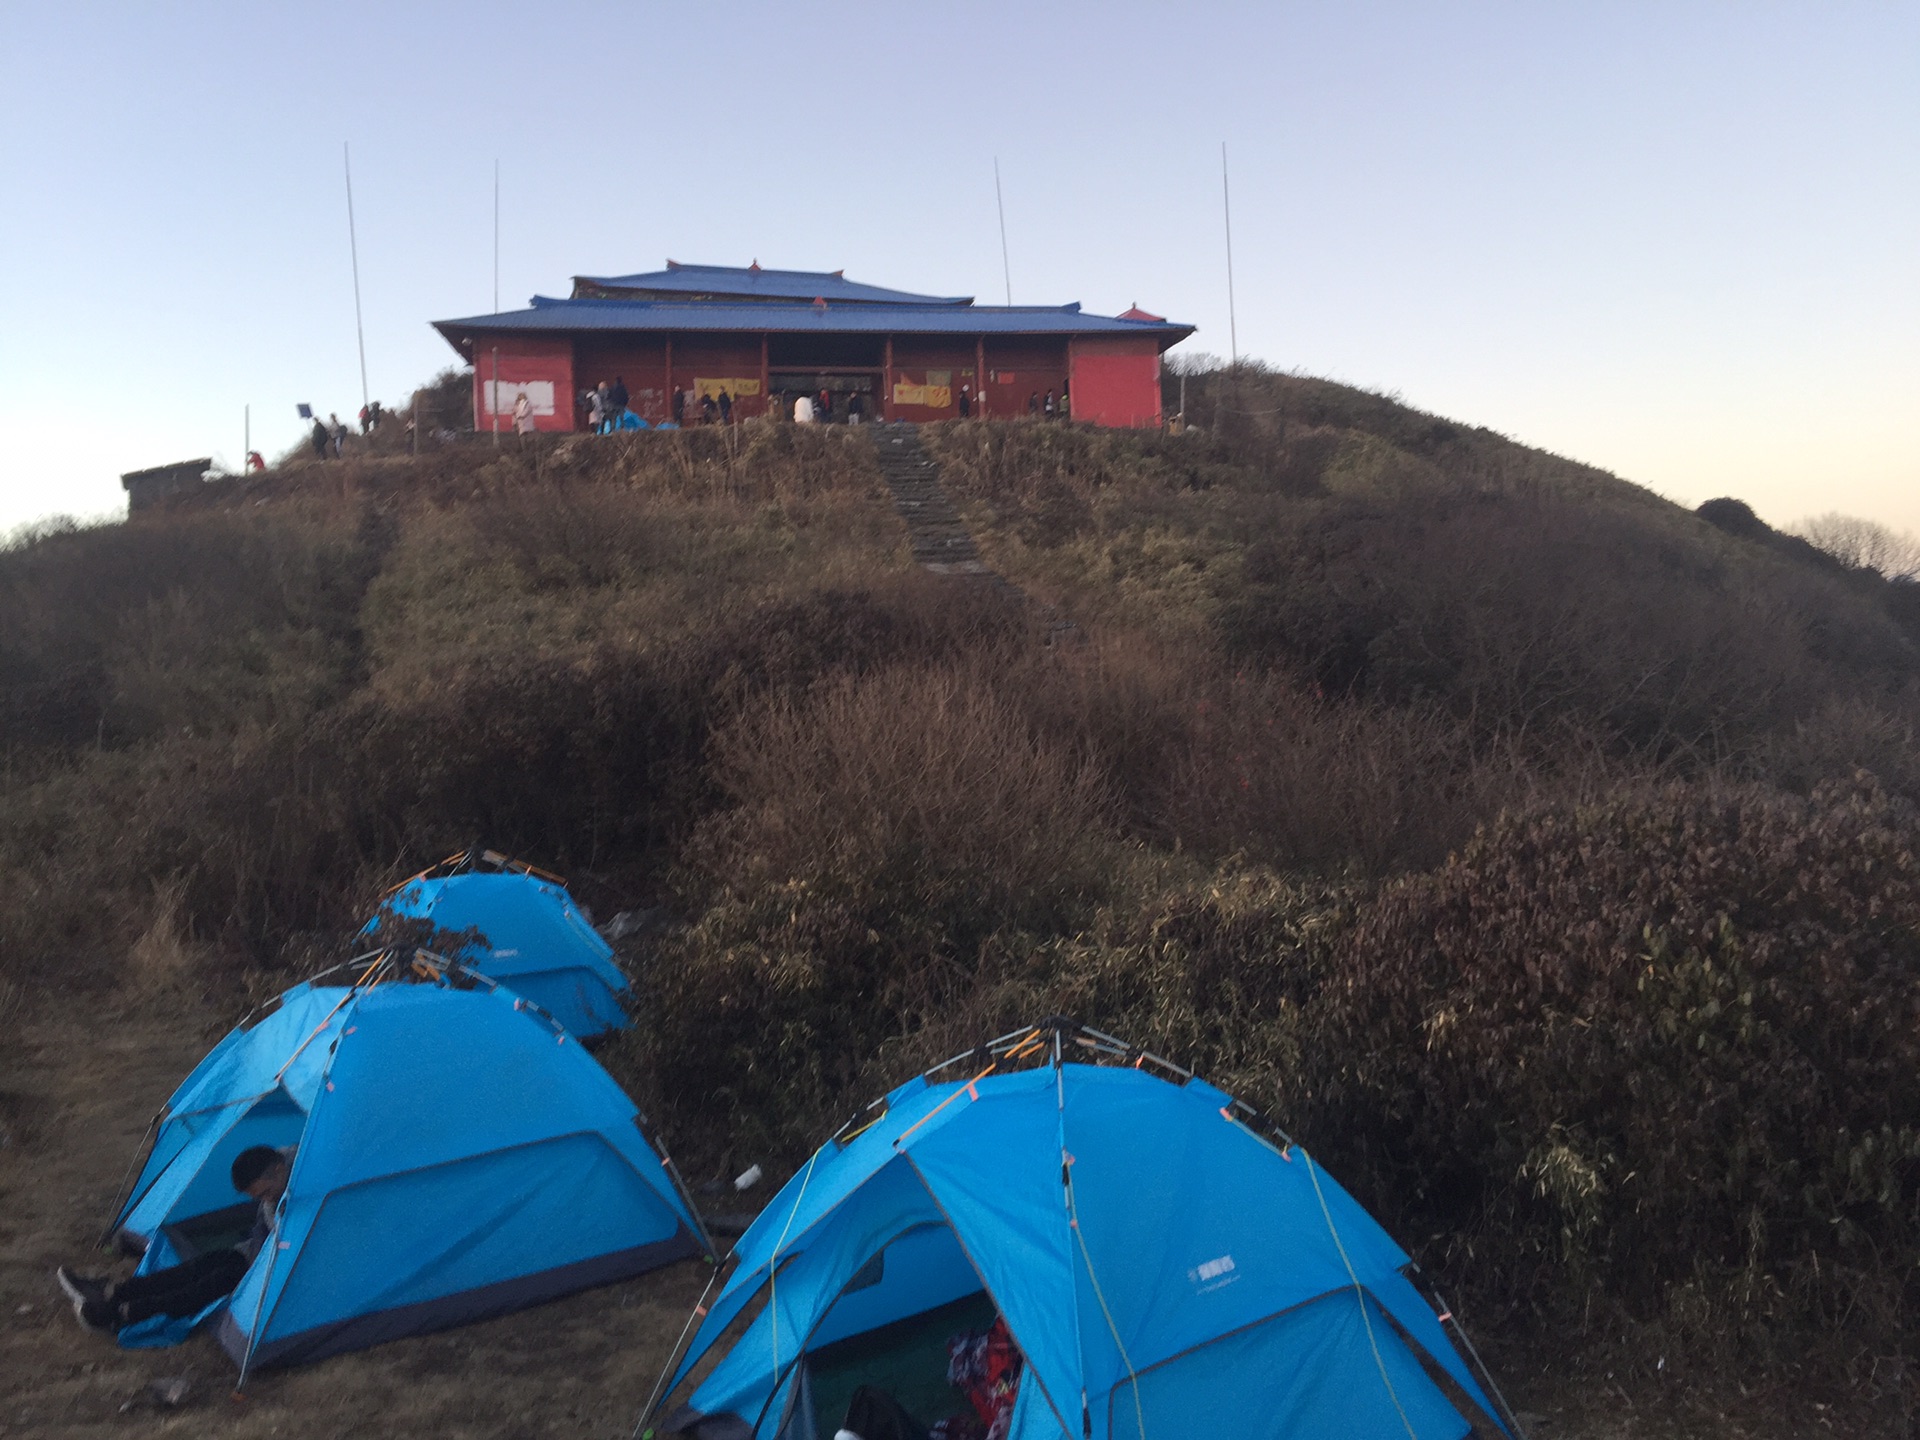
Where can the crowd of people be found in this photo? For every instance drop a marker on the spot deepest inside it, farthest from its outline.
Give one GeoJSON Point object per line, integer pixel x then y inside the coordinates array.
{"type": "Point", "coordinates": [330, 435]}
{"type": "Point", "coordinates": [607, 407]}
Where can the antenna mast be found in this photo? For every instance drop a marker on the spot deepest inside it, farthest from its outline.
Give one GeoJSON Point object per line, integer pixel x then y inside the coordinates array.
{"type": "Point", "coordinates": [1005, 269]}
{"type": "Point", "coordinates": [353, 245]}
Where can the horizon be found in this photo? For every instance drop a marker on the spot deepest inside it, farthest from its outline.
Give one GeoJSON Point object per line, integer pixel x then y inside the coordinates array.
{"type": "Point", "coordinates": [1666, 242]}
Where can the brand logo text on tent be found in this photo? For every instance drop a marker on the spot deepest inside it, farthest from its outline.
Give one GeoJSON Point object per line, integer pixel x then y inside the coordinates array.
{"type": "Point", "coordinates": [1209, 1271]}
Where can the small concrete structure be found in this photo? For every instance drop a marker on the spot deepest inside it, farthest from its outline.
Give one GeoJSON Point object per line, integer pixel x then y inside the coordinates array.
{"type": "Point", "coordinates": [147, 488]}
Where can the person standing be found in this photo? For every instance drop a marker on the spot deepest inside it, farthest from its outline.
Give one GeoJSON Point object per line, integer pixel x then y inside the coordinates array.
{"type": "Point", "coordinates": [320, 439]}
{"type": "Point", "coordinates": [618, 395]}
{"type": "Point", "coordinates": [1046, 406]}
{"type": "Point", "coordinates": [679, 406]}
{"type": "Point", "coordinates": [1033, 404]}
{"type": "Point", "coordinates": [339, 435]}
{"type": "Point", "coordinates": [856, 408]}
{"type": "Point", "coordinates": [522, 416]}
{"type": "Point", "coordinates": [604, 392]}
{"type": "Point", "coordinates": [803, 410]}
{"type": "Point", "coordinates": [596, 411]}
{"type": "Point", "coordinates": [966, 400]}
{"type": "Point", "coordinates": [726, 408]}
{"type": "Point", "coordinates": [823, 408]}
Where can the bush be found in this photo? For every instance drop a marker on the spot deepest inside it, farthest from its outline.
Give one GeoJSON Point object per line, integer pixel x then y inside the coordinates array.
{"type": "Point", "coordinates": [1665, 1044]}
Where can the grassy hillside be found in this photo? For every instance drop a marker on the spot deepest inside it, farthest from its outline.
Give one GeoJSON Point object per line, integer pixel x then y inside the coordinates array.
{"type": "Point", "coordinates": [1540, 853]}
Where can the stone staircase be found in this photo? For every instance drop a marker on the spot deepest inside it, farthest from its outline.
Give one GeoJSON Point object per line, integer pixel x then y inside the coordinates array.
{"type": "Point", "coordinates": [934, 528]}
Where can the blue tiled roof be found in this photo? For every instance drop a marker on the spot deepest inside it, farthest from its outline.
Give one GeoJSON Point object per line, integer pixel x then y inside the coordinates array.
{"type": "Point", "coordinates": [550, 316]}
{"type": "Point", "coordinates": [754, 283]}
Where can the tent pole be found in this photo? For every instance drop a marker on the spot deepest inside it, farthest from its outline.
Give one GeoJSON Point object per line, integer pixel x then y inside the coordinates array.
{"type": "Point", "coordinates": [673, 1356]}
{"type": "Point", "coordinates": [123, 1192]}
{"type": "Point", "coordinates": [1481, 1365]}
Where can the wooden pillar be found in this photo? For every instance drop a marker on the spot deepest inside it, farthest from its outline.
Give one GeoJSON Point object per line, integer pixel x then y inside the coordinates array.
{"type": "Point", "coordinates": [766, 394]}
{"type": "Point", "coordinates": [980, 376]}
{"type": "Point", "coordinates": [669, 390]}
{"type": "Point", "coordinates": [886, 383]}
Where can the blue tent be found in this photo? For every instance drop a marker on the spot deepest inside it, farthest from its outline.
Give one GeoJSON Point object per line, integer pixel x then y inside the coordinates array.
{"type": "Point", "coordinates": [459, 1156]}
{"type": "Point", "coordinates": [538, 944]}
{"type": "Point", "coordinates": [1167, 1269]}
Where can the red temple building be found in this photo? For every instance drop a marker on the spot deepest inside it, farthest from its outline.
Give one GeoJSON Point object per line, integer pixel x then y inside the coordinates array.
{"type": "Point", "coordinates": [763, 334]}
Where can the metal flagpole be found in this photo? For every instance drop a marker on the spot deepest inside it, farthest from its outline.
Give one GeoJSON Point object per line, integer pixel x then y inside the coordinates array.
{"type": "Point", "coordinates": [353, 245]}
{"type": "Point", "coordinates": [1006, 270]}
{"type": "Point", "coordinates": [1226, 207]}
{"type": "Point", "coordinates": [496, 235]}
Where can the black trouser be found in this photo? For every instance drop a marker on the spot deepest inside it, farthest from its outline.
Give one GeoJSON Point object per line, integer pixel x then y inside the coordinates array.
{"type": "Point", "coordinates": [873, 1414]}
{"type": "Point", "coordinates": [179, 1290]}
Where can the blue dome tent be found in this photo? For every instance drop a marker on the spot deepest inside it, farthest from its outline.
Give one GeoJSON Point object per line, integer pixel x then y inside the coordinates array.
{"type": "Point", "coordinates": [1168, 1266]}
{"type": "Point", "coordinates": [539, 945]}
{"type": "Point", "coordinates": [459, 1156]}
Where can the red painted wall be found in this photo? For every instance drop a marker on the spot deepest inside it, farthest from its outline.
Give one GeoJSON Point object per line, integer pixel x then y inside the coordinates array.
{"type": "Point", "coordinates": [1106, 381]}
{"type": "Point", "coordinates": [640, 361]}
{"type": "Point", "coordinates": [524, 360]}
{"type": "Point", "coordinates": [1117, 382]}
{"type": "Point", "coordinates": [918, 363]}
{"type": "Point", "coordinates": [1017, 369]}
{"type": "Point", "coordinates": [698, 357]}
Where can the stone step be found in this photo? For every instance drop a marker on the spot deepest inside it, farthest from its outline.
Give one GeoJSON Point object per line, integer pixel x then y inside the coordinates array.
{"type": "Point", "coordinates": [938, 538]}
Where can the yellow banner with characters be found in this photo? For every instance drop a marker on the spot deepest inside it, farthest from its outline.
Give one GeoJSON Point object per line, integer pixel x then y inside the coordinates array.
{"type": "Point", "coordinates": [934, 397]}
{"type": "Point", "coordinates": [736, 388]}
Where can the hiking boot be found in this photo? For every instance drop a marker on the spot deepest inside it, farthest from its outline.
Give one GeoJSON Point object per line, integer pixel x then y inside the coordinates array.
{"type": "Point", "coordinates": [89, 1294]}
{"type": "Point", "coordinates": [81, 1288]}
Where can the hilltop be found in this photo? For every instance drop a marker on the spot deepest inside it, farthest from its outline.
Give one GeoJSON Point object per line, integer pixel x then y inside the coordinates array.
{"type": "Point", "coordinates": [1540, 852]}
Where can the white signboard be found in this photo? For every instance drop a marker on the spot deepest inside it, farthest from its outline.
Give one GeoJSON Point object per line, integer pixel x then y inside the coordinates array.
{"type": "Point", "coordinates": [500, 395]}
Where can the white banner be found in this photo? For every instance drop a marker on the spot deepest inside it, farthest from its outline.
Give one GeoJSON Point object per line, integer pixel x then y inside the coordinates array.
{"type": "Point", "coordinates": [501, 395]}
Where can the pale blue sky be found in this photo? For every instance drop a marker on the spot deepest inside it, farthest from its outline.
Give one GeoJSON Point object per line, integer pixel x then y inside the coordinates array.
{"type": "Point", "coordinates": [1677, 240]}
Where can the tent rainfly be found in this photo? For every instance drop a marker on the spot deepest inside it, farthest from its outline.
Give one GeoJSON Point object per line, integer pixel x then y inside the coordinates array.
{"type": "Point", "coordinates": [538, 944]}
{"type": "Point", "coordinates": [459, 1156]}
{"type": "Point", "coordinates": [1167, 1264]}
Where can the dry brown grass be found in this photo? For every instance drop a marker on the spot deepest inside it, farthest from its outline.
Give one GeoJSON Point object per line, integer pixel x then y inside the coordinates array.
{"type": "Point", "coordinates": [1315, 654]}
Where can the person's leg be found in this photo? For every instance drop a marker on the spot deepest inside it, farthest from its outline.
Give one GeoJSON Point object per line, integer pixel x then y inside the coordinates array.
{"type": "Point", "coordinates": [873, 1414]}
{"type": "Point", "coordinates": [184, 1289]}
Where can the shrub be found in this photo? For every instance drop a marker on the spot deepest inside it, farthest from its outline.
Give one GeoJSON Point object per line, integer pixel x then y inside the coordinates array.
{"type": "Point", "coordinates": [1671, 1041]}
